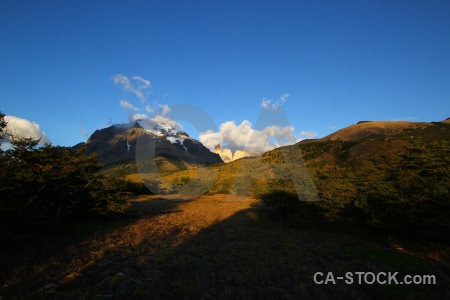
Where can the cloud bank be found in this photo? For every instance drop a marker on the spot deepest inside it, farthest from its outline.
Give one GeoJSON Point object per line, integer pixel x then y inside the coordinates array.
{"type": "Point", "coordinates": [19, 127]}
{"type": "Point", "coordinates": [157, 118]}
{"type": "Point", "coordinates": [230, 136]}
{"type": "Point", "coordinates": [303, 135]}
{"type": "Point", "coordinates": [242, 136]}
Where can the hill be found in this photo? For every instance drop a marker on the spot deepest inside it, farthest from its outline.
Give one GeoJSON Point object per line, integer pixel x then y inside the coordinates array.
{"type": "Point", "coordinates": [372, 173]}
{"type": "Point", "coordinates": [172, 149]}
{"type": "Point", "coordinates": [369, 142]}
{"type": "Point", "coordinates": [376, 173]}
{"type": "Point", "coordinates": [366, 128]}
{"type": "Point", "coordinates": [383, 206]}
{"type": "Point", "coordinates": [363, 143]}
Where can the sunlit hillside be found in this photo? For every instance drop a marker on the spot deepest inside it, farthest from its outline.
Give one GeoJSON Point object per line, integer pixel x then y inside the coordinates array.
{"type": "Point", "coordinates": [372, 197]}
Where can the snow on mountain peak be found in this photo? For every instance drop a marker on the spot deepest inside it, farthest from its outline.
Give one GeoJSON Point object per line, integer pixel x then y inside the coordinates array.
{"type": "Point", "coordinates": [164, 130]}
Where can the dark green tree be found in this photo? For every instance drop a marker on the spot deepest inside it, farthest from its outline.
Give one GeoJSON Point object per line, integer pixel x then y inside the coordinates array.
{"type": "Point", "coordinates": [423, 183]}
{"type": "Point", "coordinates": [413, 196]}
{"type": "Point", "coordinates": [39, 183]}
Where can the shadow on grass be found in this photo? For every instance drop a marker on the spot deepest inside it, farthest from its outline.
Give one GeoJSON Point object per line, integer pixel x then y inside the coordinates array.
{"type": "Point", "coordinates": [28, 263]}
{"type": "Point", "coordinates": [245, 256]}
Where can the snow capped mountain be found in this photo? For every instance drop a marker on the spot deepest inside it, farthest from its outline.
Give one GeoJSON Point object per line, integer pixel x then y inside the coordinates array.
{"type": "Point", "coordinates": [163, 130]}
{"type": "Point", "coordinates": [118, 143]}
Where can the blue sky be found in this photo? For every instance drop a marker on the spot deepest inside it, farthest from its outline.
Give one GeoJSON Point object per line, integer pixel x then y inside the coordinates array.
{"type": "Point", "coordinates": [333, 62]}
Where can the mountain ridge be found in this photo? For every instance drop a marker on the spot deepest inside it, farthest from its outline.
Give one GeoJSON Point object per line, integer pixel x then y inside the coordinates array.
{"type": "Point", "coordinates": [118, 143]}
{"type": "Point", "coordinates": [363, 129]}
{"type": "Point", "coordinates": [375, 144]}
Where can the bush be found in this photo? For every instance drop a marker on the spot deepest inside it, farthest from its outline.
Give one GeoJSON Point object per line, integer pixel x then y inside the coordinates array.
{"type": "Point", "coordinates": [279, 198]}
{"type": "Point", "coordinates": [289, 207]}
{"type": "Point", "coordinates": [413, 197]}
{"type": "Point", "coordinates": [138, 188]}
{"type": "Point", "coordinates": [43, 183]}
{"type": "Point", "coordinates": [407, 192]}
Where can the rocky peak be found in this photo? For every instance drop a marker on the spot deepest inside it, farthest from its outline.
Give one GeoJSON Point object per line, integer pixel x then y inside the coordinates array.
{"type": "Point", "coordinates": [228, 156]}
{"type": "Point", "coordinates": [118, 142]}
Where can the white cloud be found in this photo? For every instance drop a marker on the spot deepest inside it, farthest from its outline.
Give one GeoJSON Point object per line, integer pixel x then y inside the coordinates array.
{"type": "Point", "coordinates": [162, 109]}
{"type": "Point", "coordinates": [165, 109]}
{"type": "Point", "coordinates": [119, 78]}
{"type": "Point", "coordinates": [157, 115]}
{"type": "Point", "coordinates": [242, 136]}
{"type": "Point", "coordinates": [142, 83]}
{"type": "Point", "coordinates": [149, 109]}
{"type": "Point", "coordinates": [283, 135]}
{"type": "Point", "coordinates": [158, 112]}
{"type": "Point", "coordinates": [404, 119]}
{"type": "Point", "coordinates": [135, 117]}
{"type": "Point", "coordinates": [211, 138]}
{"type": "Point", "coordinates": [162, 119]}
{"type": "Point", "coordinates": [24, 128]}
{"type": "Point", "coordinates": [284, 97]}
{"type": "Point", "coordinates": [136, 85]}
{"type": "Point", "coordinates": [127, 105]}
{"type": "Point", "coordinates": [265, 103]}
{"type": "Point", "coordinates": [157, 118]}
{"type": "Point", "coordinates": [270, 105]}
{"type": "Point", "coordinates": [307, 135]}
{"type": "Point", "coordinates": [83, 132]}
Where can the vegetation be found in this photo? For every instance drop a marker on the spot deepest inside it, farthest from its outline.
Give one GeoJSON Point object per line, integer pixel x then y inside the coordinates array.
{"type": "Point", "coordinates": [399, 182]}
{"type": "Point", "coordinates": [384, 207]}
{"type": "Point", "coordinates": [44, 183]}
{"type": "Point", "coordinates": [398, 186]}
{"type": "Point", "coordinates": [216, 247]}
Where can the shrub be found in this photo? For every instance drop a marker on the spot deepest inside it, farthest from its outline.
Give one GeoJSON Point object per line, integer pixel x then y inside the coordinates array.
{"type": "Point", "coordinates": [43, 183]}
{"type": "Point", "coordinates": [413, 196]}
{"type": "Point", "coordinates": [279, 198]}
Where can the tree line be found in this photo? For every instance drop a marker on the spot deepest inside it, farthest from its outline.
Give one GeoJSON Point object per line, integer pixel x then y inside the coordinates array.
{"type": "Point", "coordinates": [44, 183]}
{"type": "Point", "coordinates": [407, 192]}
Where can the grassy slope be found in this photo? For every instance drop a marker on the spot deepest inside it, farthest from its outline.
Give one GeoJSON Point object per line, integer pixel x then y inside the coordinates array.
{"type": "Point", "coordinates": [367, 137]}
{"type": "Point", "coordinates": [386, 128]}
{"type": "Point", "coordinates": [373, 146]}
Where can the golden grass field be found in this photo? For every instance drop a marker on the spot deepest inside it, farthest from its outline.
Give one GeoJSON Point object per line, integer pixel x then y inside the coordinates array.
{"type": "Point", "coordinates": [386, 128]}
{"type": "Point", "coordinates": [214, 247]}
